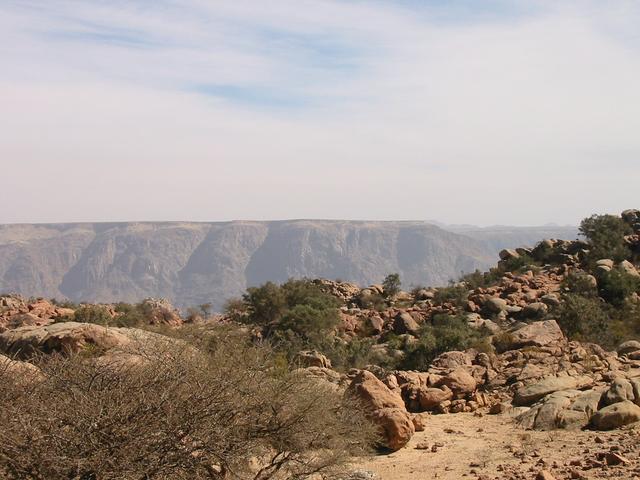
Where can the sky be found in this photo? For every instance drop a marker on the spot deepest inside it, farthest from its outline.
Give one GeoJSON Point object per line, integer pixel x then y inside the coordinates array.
{"type": "Point", "coordinates": [465, 111]}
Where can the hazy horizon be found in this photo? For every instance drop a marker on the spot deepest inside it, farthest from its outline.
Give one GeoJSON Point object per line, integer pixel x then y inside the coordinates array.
{"type": "Point", "coordinates": [483, 113]}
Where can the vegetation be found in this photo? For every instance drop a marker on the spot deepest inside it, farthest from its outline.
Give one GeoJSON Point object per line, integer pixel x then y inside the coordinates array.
{"type": "Point", "coordinates": [455, 293]}
{"type": "Point", "coordinates": [391, 285]}
{"type": "Point", "coordinates": [182, 413]}
{"type": "Point", "coordinates": [605, 234]}
{"type": "Point", "coordinates": [445, 333]}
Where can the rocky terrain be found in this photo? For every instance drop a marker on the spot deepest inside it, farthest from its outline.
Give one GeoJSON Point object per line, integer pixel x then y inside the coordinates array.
{"type": "Point", "coordinates": [194, 263]}
{"type": "Point", "coordinates": [532, 392]}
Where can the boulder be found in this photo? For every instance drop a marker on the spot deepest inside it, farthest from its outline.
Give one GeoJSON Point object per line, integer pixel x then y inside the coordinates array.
{"type": "Point", "coordinates": [161, 312]}
{"type": "Point", "coordinates": [430, 398]}
{"type": "Point", "coordinates": [532, 393]}
{"type": "Point", "coordinates": [384, 407]}
{"type": "Point", "coordinates": [551, 299]}
{"type": "Point", "coordinates": [66, 337]}
{"type": "Point", "coordinates": [451, 360]}
{"type": "Point", "coordinates": [616, 415]}
{"type": "Point", "coordinates": [373, 393]}
{"type": "Point", "coordinates": [628, 347]}
{"type": "Point", "coordinates": [404, 323]}
{"type": "Point", "coordinates": [72, 337]}
{"type": "Point", "coordinates": [544, 416]}
{"type": "Point", "coordinates": [424, 294]}
{"type": "Point", "coordinates": [459, 382]}
{"type": "Point", "coordinates": [496, 304]}
{"type": "Point", "coordinates": [375, 324]}
{"type": "Point", "coordinates": [605, 262]}
{"type": "Point", "coordinates": [619, 391]}
{"type": "Point", "coordinates": [396, 425]}
{"type": "Point", "coordinates": [538, 334]}
{"type": "Point", "coordinates": [508, 254]}
{"type": "Point", "coordinates": [628, 267]}
{"type": "Point", "coordinates": [535, 310]}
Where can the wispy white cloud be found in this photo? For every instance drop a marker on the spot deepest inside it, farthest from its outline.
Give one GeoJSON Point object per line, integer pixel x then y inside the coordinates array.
{"type": "Point", "coordinates": [486, 112]}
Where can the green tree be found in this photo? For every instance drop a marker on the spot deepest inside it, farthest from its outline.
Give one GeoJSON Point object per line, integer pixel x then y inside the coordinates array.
{"type": "Point", "coordinates": [605, 234]}
{"type": "Point", "coordinates": [391, 285]}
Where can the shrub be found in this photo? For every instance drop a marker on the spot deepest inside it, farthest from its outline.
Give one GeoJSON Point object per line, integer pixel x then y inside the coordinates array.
{"type": "Point", "coordinates": [605, 234]}
{"type": "Point", "coordinates": [97, 314]}
{"type": "Point", "coordinates": [374, 301]}
{"type": "Point", "coordinates": [446, 333]}
{"type": "Point", "coordinates": [456, 294]}
{"type": "Point", "coordinates": [297, 305]}
{"type": "Point", "coordinates": [180, 414]}
{"type": "Point", "coordinates": [518, 264]}
{"type": "Point", "coordinates": [235, 308]}
{"type": "Point", "coordinates": [478, 279]}
{"type": "Point", "coordinates": [615, 286]}
{"type": "Point", "coordinates": [579, 284]}
{"type": "Point", "coordinates": [583, 318]}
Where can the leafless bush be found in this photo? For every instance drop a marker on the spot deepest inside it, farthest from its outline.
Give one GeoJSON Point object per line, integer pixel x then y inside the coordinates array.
{"type": "Point", "coordinates": [176, 413]}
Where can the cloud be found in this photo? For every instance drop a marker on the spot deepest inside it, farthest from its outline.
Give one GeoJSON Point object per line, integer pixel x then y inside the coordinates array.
{"type": "Point", "coordinates": [516, 112]}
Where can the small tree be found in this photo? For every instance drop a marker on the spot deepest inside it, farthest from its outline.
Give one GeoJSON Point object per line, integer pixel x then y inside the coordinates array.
{"type": "Point", "coordinates": [391, 285]}
{"type": "Point", "coordinates": [605, 234]}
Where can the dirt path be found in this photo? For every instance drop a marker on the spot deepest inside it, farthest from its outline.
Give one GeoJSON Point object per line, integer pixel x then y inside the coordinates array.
{"type": "Point", "coordinates": [462, 446]}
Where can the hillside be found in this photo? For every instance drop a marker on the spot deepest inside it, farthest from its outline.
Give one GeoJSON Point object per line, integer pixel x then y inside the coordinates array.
{"type": "Point", "coordinates": [482, 379]}
{"type": "Point", "coordinates": [193, 263]}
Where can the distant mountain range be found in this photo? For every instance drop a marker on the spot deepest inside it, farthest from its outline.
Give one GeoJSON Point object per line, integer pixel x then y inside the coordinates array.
{"type": "Point", "coordinates": [192, 263]}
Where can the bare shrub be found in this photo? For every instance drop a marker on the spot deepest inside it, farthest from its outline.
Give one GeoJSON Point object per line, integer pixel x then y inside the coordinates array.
{"type": "Point", "coordinates": [178, 413]}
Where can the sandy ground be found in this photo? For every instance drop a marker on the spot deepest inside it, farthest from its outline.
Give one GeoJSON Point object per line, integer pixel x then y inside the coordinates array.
{"type": "Point", "coordinates": [491, 447]}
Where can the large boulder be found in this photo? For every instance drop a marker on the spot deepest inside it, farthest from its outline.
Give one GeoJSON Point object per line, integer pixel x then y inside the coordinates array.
{"type": "Point", "coordinates": [537, 334]}
{"type": "Point", "coordinates": [628, 347]}
{"type": "Point", "coordinates": [72, 337]}
{"type": "Point", "coordinates": [619, 391]}
{"type": "Point", "coordinates": [496, 304]}
{"type": "Point", "coordinates": [616, 415]}
{"type": "Point", "coordinates": [396, 425]}
{"type": "Point", "coordinates": [451, 360]}
{"type": "Point", "coordinates": [66, 337]}
{"type": "Point", "coordinates": [544, 416]}
{"type": "Point", "coordinates": [628, 267]}
{"type": "Point", "coordinates": [404, 323]}
{"type": "Point", "coordinates": [532, 393]}
{"type": "Point", "coordinates": [459, 381]}
{"type": "Point", "coordinates": [385, 407]}
{"type": "Point", "coordinates": [431, 398]}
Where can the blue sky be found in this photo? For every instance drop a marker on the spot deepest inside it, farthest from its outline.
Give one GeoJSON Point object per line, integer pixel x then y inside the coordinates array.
{"type": "Point", "coordinates": [466, 111]}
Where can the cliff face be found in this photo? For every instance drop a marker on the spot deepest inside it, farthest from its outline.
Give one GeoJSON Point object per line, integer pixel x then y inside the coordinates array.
{"type": "Point", "coordinates": [192, 263]}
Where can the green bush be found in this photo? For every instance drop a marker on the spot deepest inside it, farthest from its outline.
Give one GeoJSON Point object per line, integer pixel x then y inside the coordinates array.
{"type": "Point", "coordinates": [478, 279]}
{"type": "Point", "coordinates": [375, 301]}
{"type": "Point", "coordinates": [456, 294]}
{"type": "Point", "coordinates": [518, 264]}
{"type": "Point", "coordinates": [579, 284]}
{"type": "Point", "coordinates": [97, 314]}
{"type": "Point", "coordinates": [583, 318]}
{"type": "Point", "coordinates": [616, 286]}
{"type": "Point", "coordinates": [293, 316]}
{"type": "Point", "coordinates": [445, 333]}
{"type": "Point", "coordinates": [605, 235]}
